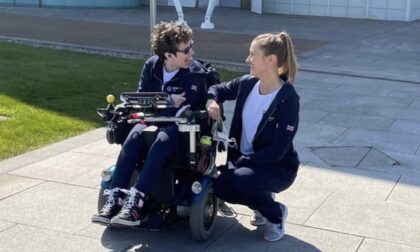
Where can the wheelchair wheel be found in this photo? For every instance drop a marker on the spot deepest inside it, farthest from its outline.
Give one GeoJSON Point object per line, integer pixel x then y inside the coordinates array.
{"type": "Point", "coordinates": [203, 215]}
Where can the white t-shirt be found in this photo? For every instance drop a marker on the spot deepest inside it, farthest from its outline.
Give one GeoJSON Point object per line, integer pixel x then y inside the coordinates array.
{"type": "Point", "coordinates": [167, 76]}
{"type": "Point", "coordinates": [255, 107]}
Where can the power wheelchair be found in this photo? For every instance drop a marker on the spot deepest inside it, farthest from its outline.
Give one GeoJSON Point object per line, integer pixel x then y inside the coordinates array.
{"type": "Point", "coordinates": [185, 188]}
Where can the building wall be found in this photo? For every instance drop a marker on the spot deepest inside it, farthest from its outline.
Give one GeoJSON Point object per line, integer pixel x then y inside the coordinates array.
{"type": "Point", "coordinates": [372, 9]}
{"type": "Point", "coordinates": [73, 3]}
{"type": "Point", "coordinates": [204, 3]}
{"type": "Point", "coordinates": [20, 2]}
{"type": "Point", "coordinates": [415, 10]}
{"type": "Point", "coordinates": [404, 10]}
{"type": "Point", "coordinates": [230, 3]}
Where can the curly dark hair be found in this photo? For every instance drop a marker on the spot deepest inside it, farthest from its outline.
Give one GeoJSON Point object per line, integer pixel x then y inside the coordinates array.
{"type": "Point", "coordinates": [167, 35]}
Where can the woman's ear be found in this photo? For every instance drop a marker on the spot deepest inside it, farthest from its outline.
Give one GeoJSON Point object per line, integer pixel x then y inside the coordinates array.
{"type": "Point", "coordinates": [272, 58]}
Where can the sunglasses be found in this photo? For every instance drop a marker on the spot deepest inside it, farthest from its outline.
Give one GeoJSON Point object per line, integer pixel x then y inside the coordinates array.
{"type": "Point", "coordinates": [187, 49]}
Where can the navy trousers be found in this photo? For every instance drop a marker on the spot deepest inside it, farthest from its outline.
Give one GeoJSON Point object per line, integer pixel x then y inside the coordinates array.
{"type": "Point", "coordinates": [168, 141]}
{"type": "Point", "coordinates": [253, 187]}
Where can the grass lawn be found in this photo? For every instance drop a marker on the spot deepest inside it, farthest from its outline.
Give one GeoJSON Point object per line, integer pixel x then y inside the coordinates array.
{"type": "Point", "coordinates": [49, 95]}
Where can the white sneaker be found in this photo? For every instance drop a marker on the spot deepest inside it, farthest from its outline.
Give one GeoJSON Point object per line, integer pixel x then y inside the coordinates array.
{"type": "Point", "coordinates": [257, 219]}
{"type": "Point", "coordinates": [274, 232]}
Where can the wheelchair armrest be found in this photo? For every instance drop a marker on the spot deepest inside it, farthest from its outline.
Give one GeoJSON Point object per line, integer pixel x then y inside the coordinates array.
{"type": "Point", "coordinates": [200, 114]}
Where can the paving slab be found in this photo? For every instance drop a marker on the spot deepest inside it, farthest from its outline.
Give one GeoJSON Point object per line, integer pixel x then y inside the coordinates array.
{"type": "Point", "coordinates": [376, 160]}
{"type": "Point", "coordinates": [310, 77]}
{"type": "Point", "coordinates": [405, 126]}
{"type": "Point", "coordinates": [415, 104]}
{"type": "Point", "coordinates": [339, 106]}
{"type": "Point", "coordinates": [407, 190]}
{"type": "Point", "coordinates": [306, 155]}
{"type": "Point", "coordinates": [245, 237]}
{"type": "Point", "coordinates": [349, 156]}
{"type": "Point", "coordinates": [377, 245]}
{"type": "Point", "coordinates": [314, 83]}
{"type": "Point", "coordinates": [176, 236]}
{"type": "Point", "coordinates": [99, 148]}
{"type": "Point", "coordinates": [311, 116]}
{"type": "Point", "coordinates": [10, 185]}
{"type": "Point", "coordinates": [300, 203]}
{"type": "Point", "coordinates": [369, 88]}
{"type": "Point", "coordinates": [68, 167]}
{"type": "Point", "coordinates": [324, 94]}
{"type": "Point", "coordinates": [58, 207]}
{"type": "Point", "coordinates": [409, 92]}
{"type": "Point", "coordinates": [366, 217]}
{"type": "Point", "coordinates": [357, 121]}
{"type": "Point", "coordinates": [409, 164]}
{"type": "Point", "coordinates": [383, 141]}
{"type": "Point", "coordinates": [28, 238]}
{"type": "Point", "coordinates": [396, 113]}
{"type": "Point", "coordinates": [5, 225]}
{"type": "Point", "coordinates": [379, 101]}
{"type": "Point", "coordinates": [50, 150]}
{"type": "Point", "coordinates": [352, 181]}
{"type": "Point", "coordinates": [349, 80]}
{"type": "Point", "coordinates": [312, 133]}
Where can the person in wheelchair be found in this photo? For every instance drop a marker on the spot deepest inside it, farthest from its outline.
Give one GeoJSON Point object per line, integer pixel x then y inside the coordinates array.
{"type": "Point", "coordinates": [264, 123]}
{"type": "Point", "coordinates": [174, 71]}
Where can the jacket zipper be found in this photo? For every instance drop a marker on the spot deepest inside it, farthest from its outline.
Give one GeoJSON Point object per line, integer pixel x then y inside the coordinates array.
{"type": "Point", "coordinates": [265, 123]}
{"type": "Point", "coordinates": [161, 82]}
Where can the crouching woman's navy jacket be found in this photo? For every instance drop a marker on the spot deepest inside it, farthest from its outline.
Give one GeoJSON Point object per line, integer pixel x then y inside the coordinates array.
{"type": "Point", "coordinates": [272, 142]}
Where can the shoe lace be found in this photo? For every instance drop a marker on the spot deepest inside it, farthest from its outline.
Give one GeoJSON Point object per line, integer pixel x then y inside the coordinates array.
{"type": "Point", "coordinates": [128, 204]}
{"type": "Point", "coordinates": [111, 193]}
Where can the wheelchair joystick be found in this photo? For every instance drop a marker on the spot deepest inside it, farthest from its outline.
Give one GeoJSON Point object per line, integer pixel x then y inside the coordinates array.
{"type": "Point", "coordinates": [110, 99]}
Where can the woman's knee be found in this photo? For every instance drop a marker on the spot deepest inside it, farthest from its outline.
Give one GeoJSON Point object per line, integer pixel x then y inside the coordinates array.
{"type": "Point", "coordinates": [243, 178]}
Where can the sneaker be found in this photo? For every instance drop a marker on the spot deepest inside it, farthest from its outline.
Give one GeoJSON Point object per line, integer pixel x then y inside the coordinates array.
{"type": "Point", "coordinates": [257, 219]}
{"type": "Point", "coordinates": [273, 231]}
{"type": "Point", "coordinates": [129, 216]}
{"type": "Point", "coordinates": [110, 209]}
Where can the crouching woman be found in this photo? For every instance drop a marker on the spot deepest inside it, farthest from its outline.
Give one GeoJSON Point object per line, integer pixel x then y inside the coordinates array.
{"type": "Point", "coordinates": [264, 123]}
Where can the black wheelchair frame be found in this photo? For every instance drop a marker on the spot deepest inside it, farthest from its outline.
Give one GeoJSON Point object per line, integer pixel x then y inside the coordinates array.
{"type": "Point", "coordinates": [185, 186]}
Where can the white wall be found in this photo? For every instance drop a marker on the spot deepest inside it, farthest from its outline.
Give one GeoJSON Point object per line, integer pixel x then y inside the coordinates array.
{"type": "Point", "coordinates": [415, 10]}
{"type": "Point", "coordinates": [204, 3]}
{"type": "Point", "coordinates": [20, 2]}
{"type": "Point", "coordinates": [372, 9]}
{"type": "Point", "coordinates": [184, 3]}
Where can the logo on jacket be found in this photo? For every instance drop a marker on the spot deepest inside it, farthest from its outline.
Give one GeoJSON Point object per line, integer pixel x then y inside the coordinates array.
{"type": "Point", "coordinates": [194, 87]}
{"type": "Point", "coordinates": [290, 128]}
{"type": "Point", "coordinates": [172, 89]}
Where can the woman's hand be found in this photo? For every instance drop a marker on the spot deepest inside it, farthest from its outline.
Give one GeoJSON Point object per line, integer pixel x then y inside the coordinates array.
{"type": "Point", "coordinates": [214, 110]}
{"type": "Point", "coordinates": [177, 99]}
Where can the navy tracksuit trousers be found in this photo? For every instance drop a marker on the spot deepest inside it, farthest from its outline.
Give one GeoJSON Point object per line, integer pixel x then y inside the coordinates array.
{"type": "Point", "coordinates": [168, 141]}
{"type": "Point", "coordinates": [253, 187]}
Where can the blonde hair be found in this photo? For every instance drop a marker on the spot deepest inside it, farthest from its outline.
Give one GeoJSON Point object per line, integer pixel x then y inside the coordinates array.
{"type": "Point", "coordinates": [281, 45]}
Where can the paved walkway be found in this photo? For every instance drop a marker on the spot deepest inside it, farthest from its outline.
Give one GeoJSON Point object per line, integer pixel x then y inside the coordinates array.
{"type": "Point", "coordinates": [359, 184]}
